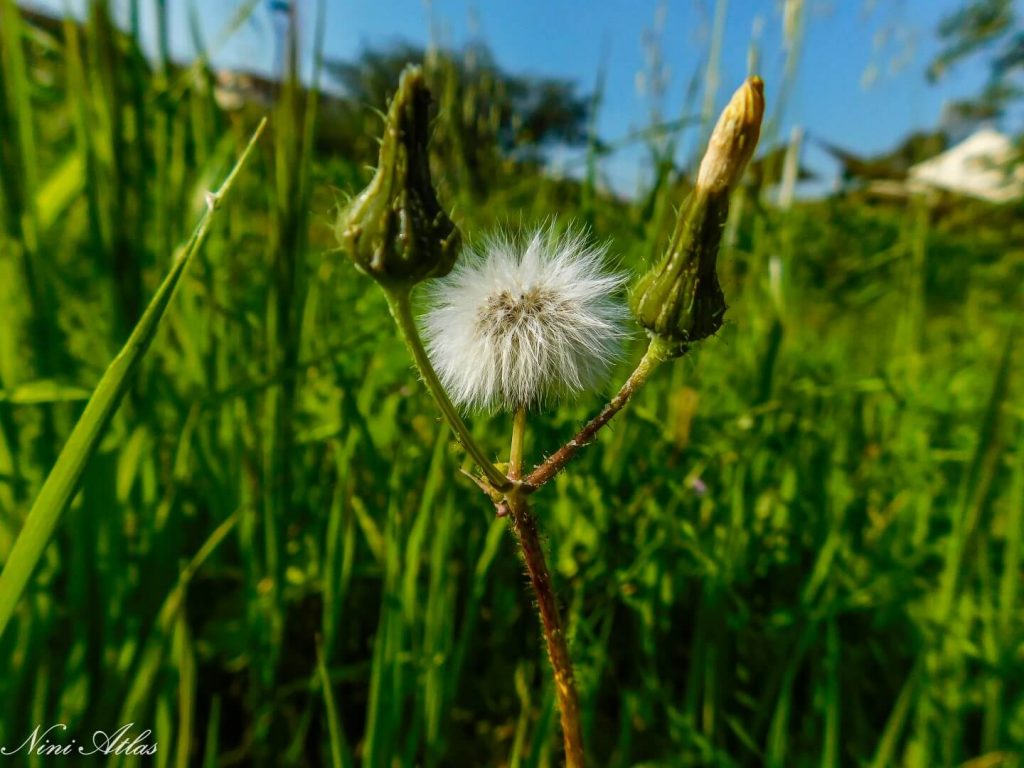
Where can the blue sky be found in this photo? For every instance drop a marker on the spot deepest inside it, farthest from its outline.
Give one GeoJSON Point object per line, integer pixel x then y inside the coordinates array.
{"type": "Point", "coordinates": [859, 78]}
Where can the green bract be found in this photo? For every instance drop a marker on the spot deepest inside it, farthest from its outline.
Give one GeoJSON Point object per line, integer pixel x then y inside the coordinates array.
{"type": "Point", "coordinates": [679, 300]}
{"type": "Point", "coordinates": [395, 230]}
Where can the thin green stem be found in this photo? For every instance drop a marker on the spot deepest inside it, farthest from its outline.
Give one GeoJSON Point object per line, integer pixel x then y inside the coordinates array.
{"type": "Point", "coordinates": [401, 310]}
{"type": "Point", "coordinates": [515, 454]}
{"type": "Point", "coordinates": [656, 354]}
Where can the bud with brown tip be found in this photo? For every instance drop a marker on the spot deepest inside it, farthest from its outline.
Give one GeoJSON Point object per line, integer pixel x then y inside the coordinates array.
{"type": "Point", "coordinates": [679, 300]}
{"type": "Point", "coordinates": [395, 230]}
{"type": "Point", "coordinates": [734, 139]}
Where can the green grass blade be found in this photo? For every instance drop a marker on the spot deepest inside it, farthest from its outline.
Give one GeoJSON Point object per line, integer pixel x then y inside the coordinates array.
{"type": "Point", "coordinates": [62, 481]}
{"type": "Point", "coordinates": [340, 755]}
{"type": "Point", "coordinates": [212, 732]}
{"type": "Point", "coordinates": [152, 654]}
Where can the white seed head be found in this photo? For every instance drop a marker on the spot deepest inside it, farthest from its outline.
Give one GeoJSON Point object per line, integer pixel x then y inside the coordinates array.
{"type": "Point", "coordinates": [525, 319]}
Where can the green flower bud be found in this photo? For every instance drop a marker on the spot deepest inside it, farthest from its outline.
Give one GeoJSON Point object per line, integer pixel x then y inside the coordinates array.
{"type": "Point", "coordinates": [395, 230]}
{"type": "Point", "coordinates": [679, 300]}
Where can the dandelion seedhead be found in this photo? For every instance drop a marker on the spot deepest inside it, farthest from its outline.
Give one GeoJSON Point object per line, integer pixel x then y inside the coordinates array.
{"type": "Point", "coordinates": [525, 319]}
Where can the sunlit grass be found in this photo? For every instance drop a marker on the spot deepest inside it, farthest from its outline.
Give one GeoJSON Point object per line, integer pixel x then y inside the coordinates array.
{"type": "Point", "coordinates": [803, 548]}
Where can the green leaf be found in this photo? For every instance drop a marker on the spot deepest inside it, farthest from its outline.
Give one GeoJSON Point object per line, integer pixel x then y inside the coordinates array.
{"type": "Point", "coordinates": [62, 482]}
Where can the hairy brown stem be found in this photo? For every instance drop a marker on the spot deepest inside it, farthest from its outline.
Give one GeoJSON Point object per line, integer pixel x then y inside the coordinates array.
{"type": "Point", "coordinates": [525, 528]}
{"type": "Point", "coordinates": [556, 462]}
{"type": "Point", "coordinates": [516, 506]}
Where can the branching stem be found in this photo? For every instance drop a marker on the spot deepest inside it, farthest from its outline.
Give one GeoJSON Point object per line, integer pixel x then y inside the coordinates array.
{"type": "Point", "coordinates": [515, 502]}
{"type": "Point", "coordinates": [401, 310]}
{"type": "Point", "coordinates": [656, 354]}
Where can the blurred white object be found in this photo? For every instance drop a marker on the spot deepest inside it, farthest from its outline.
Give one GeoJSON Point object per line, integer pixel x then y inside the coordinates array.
{"type": "Point", "coordinates": [984, 165]}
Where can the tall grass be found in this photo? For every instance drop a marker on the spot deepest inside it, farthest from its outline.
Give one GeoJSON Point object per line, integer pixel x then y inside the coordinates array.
{"type": "Point", "coordinates": [804, 547]}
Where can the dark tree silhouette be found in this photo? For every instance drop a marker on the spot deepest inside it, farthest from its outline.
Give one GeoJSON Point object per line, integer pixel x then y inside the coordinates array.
{"type": "Point", "coordinates": [990, 28]}
{"type": "Point", "coordinates": [530, 110]}
{"type": "Point", "coordinates": [486, 118]}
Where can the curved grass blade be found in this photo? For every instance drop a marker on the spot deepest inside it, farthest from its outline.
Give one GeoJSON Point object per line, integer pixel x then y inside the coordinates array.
{"type": "Point", "coordinates": [60, 485]}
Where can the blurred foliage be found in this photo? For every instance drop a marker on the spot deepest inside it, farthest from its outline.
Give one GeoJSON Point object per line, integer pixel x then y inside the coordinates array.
{"type": "Point", "coordinates": [801, 547]}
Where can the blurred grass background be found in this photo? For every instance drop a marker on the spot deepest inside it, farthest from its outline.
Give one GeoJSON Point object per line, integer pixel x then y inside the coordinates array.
{"type": "Point", "coordinates": [801, 547]}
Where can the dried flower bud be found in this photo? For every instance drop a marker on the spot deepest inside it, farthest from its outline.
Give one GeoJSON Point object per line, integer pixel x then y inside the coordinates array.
{"type": "Point", "coordinates": [395, 230]}
{"type": "Point", "coordinates": [734, 138]}
{"type": "Point", "coordinates": [679, 300]}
